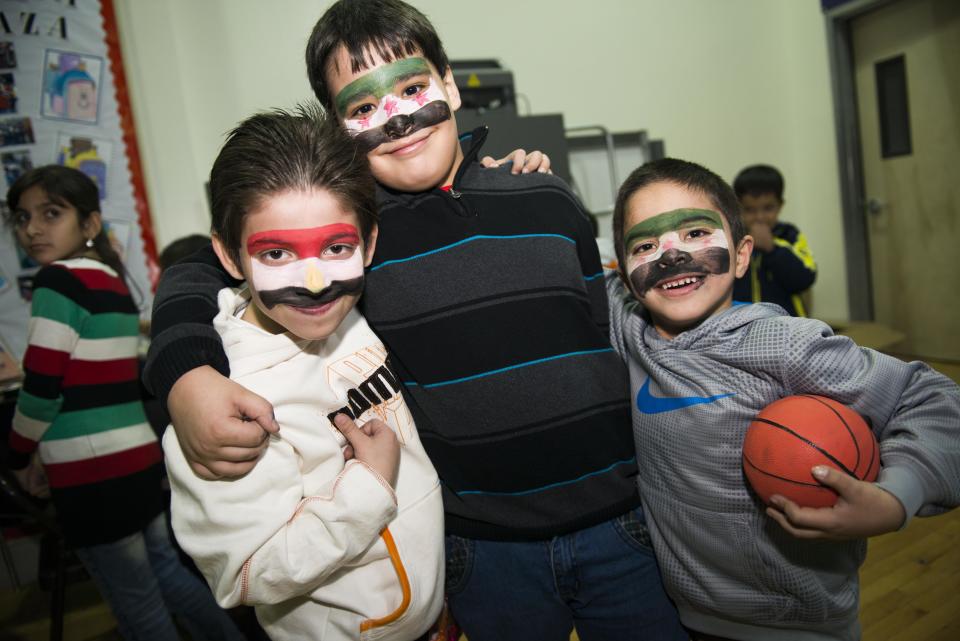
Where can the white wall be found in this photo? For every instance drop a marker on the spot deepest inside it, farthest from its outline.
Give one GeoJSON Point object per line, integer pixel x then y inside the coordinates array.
{"type": "Point", "coordinates": [726, 83]}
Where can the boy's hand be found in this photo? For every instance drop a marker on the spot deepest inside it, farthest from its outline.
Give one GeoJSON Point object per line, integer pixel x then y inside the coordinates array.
{"type": "Point", "coordinates": [862, 510]}
{"type": "Point", "coordinates": [762, 237]}
{"type": "Point", "coordinates": [522, 162]}
{"type": "Point", "coordinates": [222, 426]}
{"type": "Point", "coordinates": [374, 443]}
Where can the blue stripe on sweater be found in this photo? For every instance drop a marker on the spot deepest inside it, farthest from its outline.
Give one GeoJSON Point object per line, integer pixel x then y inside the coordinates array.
{"type": "Point", "coordinates": [550, 486]}
{"type": "Point", "coordinates": [470, 240]}
{"type": "Point", "coordinates": [508, 368]}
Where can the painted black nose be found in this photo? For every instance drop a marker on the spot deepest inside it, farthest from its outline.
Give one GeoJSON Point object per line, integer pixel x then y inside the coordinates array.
{"type": "Point", "coordinates": [674, 257]}
{"type": "Point", "coordinates": [398, 126]}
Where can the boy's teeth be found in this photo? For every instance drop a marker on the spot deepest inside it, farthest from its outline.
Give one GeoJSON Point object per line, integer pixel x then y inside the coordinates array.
{"type": "Point", "coordinates": [678, 283]}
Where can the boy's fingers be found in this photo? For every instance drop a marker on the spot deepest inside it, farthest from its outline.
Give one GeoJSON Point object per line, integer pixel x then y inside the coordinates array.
{"type": "Point", "coordinates": [489, 161]}
{"type": "Point", "coordinates": [786, 524]}
{"type": "Point", "coordinates": [533, 161]}
{"type": "Point", "coordinates": [844, 484]}
{"type": "Point", "coordinates": [544, 167]}
{"type": "Point", "coordinates": [258, 409]}
{"type": "Point", "coordinates": [805, 519]}
{"type": "Point", "coordinates": [348, 428]}
{"type": "Point", "coordinates": [239, 433]}
{"type": "Point", "coordinates": [348, 452]}
{"type": "Point", "coordinates": [519, 161]}
{"type": "Point", "coordinates": [222, 469]}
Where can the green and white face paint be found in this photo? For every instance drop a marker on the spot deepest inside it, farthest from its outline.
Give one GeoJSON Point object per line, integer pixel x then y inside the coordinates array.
{"type": "Point", "coordinates": [675, 250]}
{"type": "Point", "coordinates": [391, 102]}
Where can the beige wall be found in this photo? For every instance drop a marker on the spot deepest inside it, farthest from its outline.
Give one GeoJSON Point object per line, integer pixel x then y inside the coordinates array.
{"type": "Point", "coordinates": [724, 82]}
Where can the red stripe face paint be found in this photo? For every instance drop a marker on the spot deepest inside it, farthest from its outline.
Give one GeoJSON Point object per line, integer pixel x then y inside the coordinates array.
{"type": "Point", "coordinates": [309, 259]}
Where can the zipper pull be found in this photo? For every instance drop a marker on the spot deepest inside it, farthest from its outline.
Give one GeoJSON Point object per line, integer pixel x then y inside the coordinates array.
{"type": "Point", "coordinates": [454, 193]}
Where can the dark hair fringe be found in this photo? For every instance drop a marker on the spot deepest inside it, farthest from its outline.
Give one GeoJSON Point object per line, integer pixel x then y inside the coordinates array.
{"type": "Point", "coordinates": [757, 180]}
{"type": "Point", "coordinates": [390, 28]}
{"type": "Point", "coordinates": [277, 151]}
{"type": "Point", "coordinates": [686, 174]}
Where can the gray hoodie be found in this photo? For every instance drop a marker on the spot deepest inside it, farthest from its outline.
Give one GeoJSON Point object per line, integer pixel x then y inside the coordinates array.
{"type": "Point", "coordinates": [733, 571]}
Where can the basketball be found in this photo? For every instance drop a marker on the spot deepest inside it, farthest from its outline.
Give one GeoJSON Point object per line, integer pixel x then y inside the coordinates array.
{"type": "Point", "coordinates": [792, 435]}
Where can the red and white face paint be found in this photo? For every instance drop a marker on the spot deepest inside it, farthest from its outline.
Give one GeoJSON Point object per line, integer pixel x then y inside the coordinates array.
{"type": "Point", "coordinates": [306, 267]}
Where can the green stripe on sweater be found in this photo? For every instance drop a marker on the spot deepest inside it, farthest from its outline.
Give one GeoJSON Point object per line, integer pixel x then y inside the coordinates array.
{"type": "Point", "coordinates": [95, 420]}
{"type": "Point", "coordinates": [37, 408]}
{"type": "Point", "coordinates": [54, 306]}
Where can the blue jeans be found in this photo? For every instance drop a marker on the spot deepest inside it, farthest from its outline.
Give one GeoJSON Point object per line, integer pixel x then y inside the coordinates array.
{"type": "Point", "coordinates": [142, 579]}
{"type": "Point", "coordinates": [603, 580]}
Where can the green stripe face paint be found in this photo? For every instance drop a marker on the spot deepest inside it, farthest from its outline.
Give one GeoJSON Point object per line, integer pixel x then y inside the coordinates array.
{"type": "Point", "coordinates": [380, 82]}
{"type": "Point", "coordinates": [673, 244]}
{"type": "Point", "coordinates": [392, 102]}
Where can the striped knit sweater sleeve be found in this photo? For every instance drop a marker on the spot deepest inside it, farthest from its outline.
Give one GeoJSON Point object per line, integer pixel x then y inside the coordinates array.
{"type": "Point", "coordinates": [80, 401]}
{"type": "Point", "coordinates": [51, 338]}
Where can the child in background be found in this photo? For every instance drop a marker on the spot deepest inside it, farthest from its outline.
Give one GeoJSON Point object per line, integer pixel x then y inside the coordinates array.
{"type": "Point", "coordinates": [701, 369]}
{"type": "Point", "coordinates": [487, 290]}
{"type": "Point", "coordinates": [80, 407]}
{"type": "Point", "coordinates": [180, 249]}
{"type": "Point", "coordinates": [782, 269]}
{"type": "Point", "coordinates": [323, 547]}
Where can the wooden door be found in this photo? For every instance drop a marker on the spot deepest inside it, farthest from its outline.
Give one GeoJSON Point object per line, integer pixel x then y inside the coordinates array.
{"type": "Point", "coordinates": [912, 177]}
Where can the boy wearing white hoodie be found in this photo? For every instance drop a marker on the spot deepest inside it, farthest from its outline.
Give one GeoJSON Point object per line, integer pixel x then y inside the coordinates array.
{"type": "Point", "coordinates": [337, 533]}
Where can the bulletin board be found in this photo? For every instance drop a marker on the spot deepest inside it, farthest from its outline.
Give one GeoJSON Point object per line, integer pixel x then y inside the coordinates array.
{"type": "Point", "coordinates": [63, 100]}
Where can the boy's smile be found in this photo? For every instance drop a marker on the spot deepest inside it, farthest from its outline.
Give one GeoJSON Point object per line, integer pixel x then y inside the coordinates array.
{"type": "Point", "coordinates": [401, 114]}
{"type": "Point", "coordinates": [678, 256]}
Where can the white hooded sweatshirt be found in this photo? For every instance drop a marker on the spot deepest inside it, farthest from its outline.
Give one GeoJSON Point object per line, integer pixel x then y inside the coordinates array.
{"type": "Point", "coordinates": [323, 548]}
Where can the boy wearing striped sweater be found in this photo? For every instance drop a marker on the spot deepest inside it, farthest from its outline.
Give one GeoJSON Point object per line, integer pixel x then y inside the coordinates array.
{"type": "Point", "coordinates": [486, 289]}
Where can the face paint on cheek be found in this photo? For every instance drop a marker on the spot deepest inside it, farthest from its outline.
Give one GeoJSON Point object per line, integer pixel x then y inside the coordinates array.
{"type": "Point", "coordinates": [316, 275]}
{"type": "Point", "coordinates": [682, 242]}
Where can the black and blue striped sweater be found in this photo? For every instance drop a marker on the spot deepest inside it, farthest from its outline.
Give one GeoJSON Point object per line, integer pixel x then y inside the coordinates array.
{"type": "Point", "coordinates": [490, 300]}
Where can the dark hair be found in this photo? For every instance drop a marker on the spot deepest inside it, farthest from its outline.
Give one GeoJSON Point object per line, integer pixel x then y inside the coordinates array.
{"type": "Point", "coordinates": [757, 180]}
{"type": "Point", "coordinates": [67, 186]}
{"type": "Point", "coordinates": [181, 248]}
{"type": "Point", "coordinates": [273, 152]}
{"type": "Point", "coordinates": [686, 174]}
{"type": "Point", "coordinates": [391, 28]}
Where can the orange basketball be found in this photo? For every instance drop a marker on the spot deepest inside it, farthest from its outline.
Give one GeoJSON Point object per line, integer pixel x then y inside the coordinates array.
{"type": "Point", "coordinates": [792, 435]}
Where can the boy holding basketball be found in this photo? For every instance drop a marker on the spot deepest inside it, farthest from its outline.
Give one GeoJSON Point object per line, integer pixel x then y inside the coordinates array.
{"type": "Point", "coordinates": [701, 369]}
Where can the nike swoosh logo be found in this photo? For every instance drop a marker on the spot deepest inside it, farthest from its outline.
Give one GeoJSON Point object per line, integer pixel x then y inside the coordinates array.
{"type": "Point", "coordinates": [647, 403]}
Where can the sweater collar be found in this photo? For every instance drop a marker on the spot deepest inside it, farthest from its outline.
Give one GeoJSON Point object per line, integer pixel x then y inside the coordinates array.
{"type": "Point", "coordinates": [471, 143]}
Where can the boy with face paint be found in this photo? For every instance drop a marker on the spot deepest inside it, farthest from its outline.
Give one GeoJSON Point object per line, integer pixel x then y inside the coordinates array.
{"type": "Point", "coordinates": [701, 368]}
{"type": "Point", "coordinates": [337, 532]}
{"type": "Point", "coordinates": [487, 290]}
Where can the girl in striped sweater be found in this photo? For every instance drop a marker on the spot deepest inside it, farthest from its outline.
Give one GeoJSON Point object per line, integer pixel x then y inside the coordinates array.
{"type": "Point", "coordinates": [80, 411]}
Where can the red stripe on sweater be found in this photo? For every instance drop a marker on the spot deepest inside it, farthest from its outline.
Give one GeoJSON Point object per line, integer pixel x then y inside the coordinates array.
{"type": "Point", "coordinates": [101, 372]}
{"type": "Point", "coordinates": [98, 279]}
{"type": "Point", "coordinates": [20, 443]}
{"type": "Point", "coordinates": [46, 361]}
{"type": "Point", "coordinates": [103, 468]}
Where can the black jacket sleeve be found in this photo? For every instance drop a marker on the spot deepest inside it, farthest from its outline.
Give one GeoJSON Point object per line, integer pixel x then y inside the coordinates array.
{"type": "Point", "coordinates": [181, 329]}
